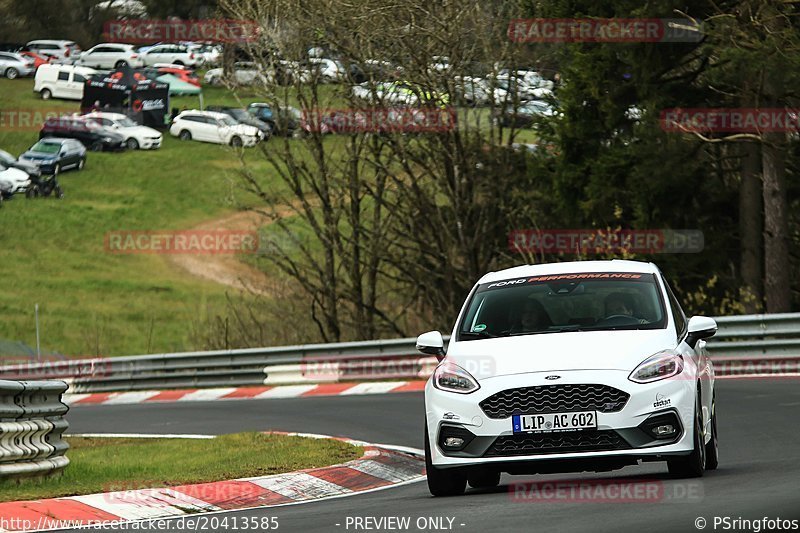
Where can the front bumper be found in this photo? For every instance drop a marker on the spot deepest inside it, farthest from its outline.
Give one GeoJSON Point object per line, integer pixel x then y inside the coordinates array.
{"type": "Point", "coordinates": [621, 434]}
{"type": "Point", "coordinates": [150, 143]}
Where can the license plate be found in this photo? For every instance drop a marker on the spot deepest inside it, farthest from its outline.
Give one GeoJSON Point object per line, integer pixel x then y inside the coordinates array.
{"type": "Point", "coordinates": [547, 422]}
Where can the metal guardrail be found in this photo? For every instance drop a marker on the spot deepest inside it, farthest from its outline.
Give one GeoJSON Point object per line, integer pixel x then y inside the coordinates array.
{"type": "Point", "coordinates": [739, 338]}
{"type": "Point", "coordinates": [31, 427]}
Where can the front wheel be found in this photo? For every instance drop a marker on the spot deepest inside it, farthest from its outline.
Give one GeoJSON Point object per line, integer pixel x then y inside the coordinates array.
{"type": "Point", "coordinates": [120, 64]}
{"type": "Point", "coordinates": [32, 192]}
{"type": "Point", "coordinates": [694, 464]}
{"type": "Point", "coordinates": [712, 448]}
{"type": "Point", "coordinates": [442, 482]}
{"type": "Point", "coordinates": [236, 141]}
{"type": "Point", "coordinates": [96, 146]}
{"type": "Point", "coordinates": [132, 144]}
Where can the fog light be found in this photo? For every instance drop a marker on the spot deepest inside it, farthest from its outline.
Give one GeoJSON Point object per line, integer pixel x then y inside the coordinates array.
{"type": "Point", "coordinates": [663, 431]}
{"type": "Point", "coordinates": [454, 442]}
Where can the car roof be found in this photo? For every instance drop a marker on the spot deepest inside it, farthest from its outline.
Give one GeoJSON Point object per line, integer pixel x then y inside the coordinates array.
{"type": "Point", "coordinates": [59, 140]}
{"type": "Point", "coordinates": [101, 114]}
{"type": "Point", "coordinates": [570, 267]}
{"type": "Point", "coordinates": [51, 41]}
{"type": "Point", "coordinates": [213, 114]}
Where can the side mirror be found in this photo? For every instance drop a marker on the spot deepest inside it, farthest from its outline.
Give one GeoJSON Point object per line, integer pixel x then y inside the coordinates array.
{"type": "Point", "coordinates": [431, 343]}
{"type": "Point", "coordinates": [700, 327]}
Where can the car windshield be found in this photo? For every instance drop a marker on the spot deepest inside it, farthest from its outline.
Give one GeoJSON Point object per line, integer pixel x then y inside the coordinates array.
{"type": "Point", "coordinates": [564, 303]}
{"type": "Point", "coordinates": [127, 123]}
{"type": "Point", "coordinates": [46, 148]}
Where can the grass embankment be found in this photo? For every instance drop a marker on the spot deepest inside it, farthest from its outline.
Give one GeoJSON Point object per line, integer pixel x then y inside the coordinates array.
{"type": "Point", "coordinates": [110, 464]}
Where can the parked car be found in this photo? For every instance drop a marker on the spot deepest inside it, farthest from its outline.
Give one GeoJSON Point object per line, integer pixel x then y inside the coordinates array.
{"type": "Point", "coordinates": [110, 56]}
{"type": "Point", "coordinates": [54, 155]}
{"type": "Point", "coordinates": [9, 161]}
{"type": "Point", "coordinates": [183, 73]}
{"type": "Point", "coordinates": [175, 54]}
{"type": "Point", "coordinates": [38, 59]}
{"type": "Point", "coordinates": [60, 50]}
{"type": "Point", "coordinates": [523, 115]}
{"type": "Point", "coordinates": [92, 135]}
{"type": "Point", "coordinates": [61, 81]}
{"type": "Point", "coordinates": [212, 127]}
{"type": "Point", "coordinates": [136, 136]}
{"type": "Point", "coordinates": [13, 65]}
{"type": "Point", "coordinates": [575, 366]}
{"type": "Point", "coordinates": [211, 53]}
{"type": "Point", "coordinates": [327, 70]}
{"type": "Point", "coordinates": [244, 73]}
{"type": "Point", "coordinates": [284, 121]}
{"type": "Point", "coordinates": [12, 180]}
{"type": "Point", "coordinates": [243, 117]}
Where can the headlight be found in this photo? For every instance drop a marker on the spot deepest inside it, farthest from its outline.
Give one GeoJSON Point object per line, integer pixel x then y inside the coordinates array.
{"type": "Point", "coordinates": [452, 378]}
{"type": "Point", "coordinates": [659, 366]}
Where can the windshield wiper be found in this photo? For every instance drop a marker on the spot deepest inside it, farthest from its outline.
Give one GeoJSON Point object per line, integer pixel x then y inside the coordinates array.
{"type": "Point", "coordinates": [478, 334]}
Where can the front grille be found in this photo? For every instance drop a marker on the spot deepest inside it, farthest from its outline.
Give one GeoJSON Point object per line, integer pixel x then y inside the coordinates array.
{"type": "Point", "coordinates": [567, 442]}
{"type": "Point", "coordinates": [554, 398]}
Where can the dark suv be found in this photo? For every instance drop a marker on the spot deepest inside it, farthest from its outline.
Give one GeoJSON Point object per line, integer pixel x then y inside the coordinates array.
{"type": "Point", "coordinates": [53, 155]}
{"type": "Point", "coordinates": [92, 135]}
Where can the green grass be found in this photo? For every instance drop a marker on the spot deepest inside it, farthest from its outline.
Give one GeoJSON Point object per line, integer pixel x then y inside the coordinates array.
{"type": "Point", "coordinates": [107, 464]}
{"type": "Point", "coordinates": [92, 302]}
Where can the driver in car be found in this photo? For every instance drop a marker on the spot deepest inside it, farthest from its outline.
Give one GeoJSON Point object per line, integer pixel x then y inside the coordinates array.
{"type": "Point", "coordinates": [532, 318]}
{"type": "Point", "coordinates": [621, 304]}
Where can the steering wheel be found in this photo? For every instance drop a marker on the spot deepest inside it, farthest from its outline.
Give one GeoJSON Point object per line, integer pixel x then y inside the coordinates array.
{"type": "Point", "coordinates": [612, 317]}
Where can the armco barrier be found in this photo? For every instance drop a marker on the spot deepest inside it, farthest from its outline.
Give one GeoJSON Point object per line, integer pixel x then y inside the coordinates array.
{"type": "Point", "coordinates": [31, 427]}
{"type": "Point", "coordinates": [740, 339]}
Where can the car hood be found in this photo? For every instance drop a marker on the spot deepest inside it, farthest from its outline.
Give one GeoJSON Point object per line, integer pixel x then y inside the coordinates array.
{"type": "Point", "coordinates": [13, 175]}
{"type": "Point", "coordinates": [34, 156]}
{"type": "Point", "coordinates": [550, 352]}
{"type": "Point", "coordinates": [143, 131]}
{"type": "Point", "coordinates": [244, 129]}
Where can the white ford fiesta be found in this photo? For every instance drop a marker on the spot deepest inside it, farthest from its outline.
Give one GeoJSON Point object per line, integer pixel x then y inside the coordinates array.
{"type": "Point", "coordinates": [569, 367]}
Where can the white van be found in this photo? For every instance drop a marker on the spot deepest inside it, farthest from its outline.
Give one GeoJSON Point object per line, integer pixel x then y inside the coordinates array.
{"type": "Point", "coordinates": [61, 81]}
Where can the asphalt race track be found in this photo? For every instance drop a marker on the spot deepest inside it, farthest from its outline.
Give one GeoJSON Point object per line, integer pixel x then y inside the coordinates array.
{"type": "Point", "coordinates": [759, 473]}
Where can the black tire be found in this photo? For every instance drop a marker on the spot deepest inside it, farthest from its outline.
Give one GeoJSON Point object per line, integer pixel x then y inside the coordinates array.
{"type": "Point", "coordinates": [12, 73]}
{"type": "Point", "coordinates": [236, 141]}
{"type": "Point", "coordinates": [185, 135]}
{"type": "Point", "coordinates": [442, 482]}
{"type": "Point", "coordinates": [694, 464]}
{"type": "Point", "coordinates": [46, 94]}
{"type": "Point", "coordinates": [96, 146]}
{"type": "Point", "coordinates": [484, 480]}
{"type": "Point", "coordinates": [712, 448]}
{"type": "Point", "coordinates": [81, 163]}
{"type": "Point", "coordinates": [120, 64]}
{"type": "Point", "coordinates": [132, 144]}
